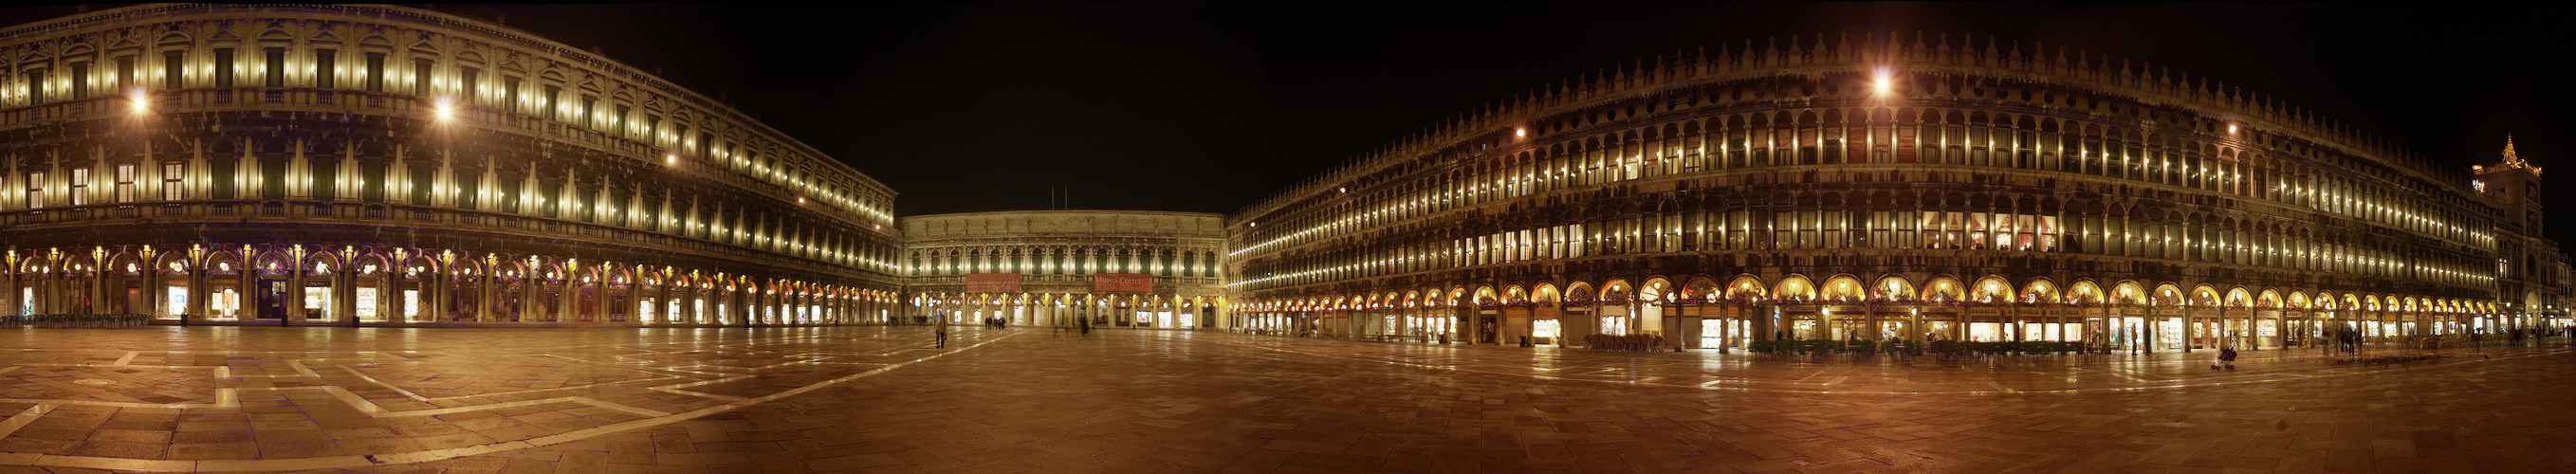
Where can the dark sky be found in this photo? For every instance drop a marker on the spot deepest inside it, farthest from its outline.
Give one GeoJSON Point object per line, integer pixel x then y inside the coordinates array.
{"type": "Point", "coordinates": [1210, 106]}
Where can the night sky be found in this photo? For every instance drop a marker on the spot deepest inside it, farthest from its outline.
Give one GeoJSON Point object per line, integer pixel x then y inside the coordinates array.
{"type": "Point", "coordinates": [1210, 106]}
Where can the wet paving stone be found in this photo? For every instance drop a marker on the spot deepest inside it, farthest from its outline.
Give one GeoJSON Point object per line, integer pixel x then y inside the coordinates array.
{"type": "Point", "coordinates": [878, 399]}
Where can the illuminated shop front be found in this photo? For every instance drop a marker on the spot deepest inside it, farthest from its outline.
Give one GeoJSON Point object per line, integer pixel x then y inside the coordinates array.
{"type": "Point", "coordinates": [476, 175]}
{"type": "Point", "coordinates": [1892, 188]}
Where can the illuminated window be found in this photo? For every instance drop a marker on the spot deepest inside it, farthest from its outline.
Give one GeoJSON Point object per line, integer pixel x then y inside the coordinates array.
{"type": "Point", "coordinates": [124, 183]}
{"type": "Point", "coordinates": [171, 174]}
{"type": "Point", "coordinates": [80, 186]}
{"type": "Point", "coordinates": [36, 189]}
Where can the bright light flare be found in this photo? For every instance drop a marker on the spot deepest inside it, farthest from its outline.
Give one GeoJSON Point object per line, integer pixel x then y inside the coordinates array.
{"type": "Point", "coordinates": [140, 101]}
{"type": "Point", "coordinates": [1880, 83]}
{"type": "Point", "coordinates": [445, 110]}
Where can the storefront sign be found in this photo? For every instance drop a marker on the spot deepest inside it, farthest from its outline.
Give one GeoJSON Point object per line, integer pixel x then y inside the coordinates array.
{"type": "Point", "coordinates": [1122, 283]}
{"type": "Point", "coordinates": [992, 282]}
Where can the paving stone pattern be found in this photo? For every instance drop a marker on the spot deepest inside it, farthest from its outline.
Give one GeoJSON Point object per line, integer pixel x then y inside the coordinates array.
{"type": "Point", "coordinates": [877, 399]}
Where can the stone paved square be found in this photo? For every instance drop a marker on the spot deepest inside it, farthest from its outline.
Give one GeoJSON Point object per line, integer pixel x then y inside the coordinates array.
{"type": "Point", "coordinates": [880, 399]}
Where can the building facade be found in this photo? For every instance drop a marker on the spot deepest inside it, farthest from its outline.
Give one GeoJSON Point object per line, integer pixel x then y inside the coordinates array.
{"type": "Point", "coordinates": [1119, 269]}
{"type": "Point", "coordinates": [1898, 188]}
{"type": "Point", "coordinates": [378, 165]}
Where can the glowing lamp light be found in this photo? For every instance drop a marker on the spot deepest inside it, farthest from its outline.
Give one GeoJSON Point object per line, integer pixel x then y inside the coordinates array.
{"type": "Point", "coordinates": [139, 101]}
{"type": "Point", "coordinates": [670, 159]}
{"type": "Point", "coordinates": [445, 111]}
{"type": "Point", "coordinates": [1520, 133]}
{"type": "Point", "coordinates": [2231, 129]}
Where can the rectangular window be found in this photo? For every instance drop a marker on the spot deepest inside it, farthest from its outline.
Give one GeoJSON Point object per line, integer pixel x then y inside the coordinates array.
{"type": "Point", "coordinates": [80, 80]}
{"type": "Point", "coordinates": [473, 82]}
{"type": "Point", "coordinates": [223, 67]}
{"type": "Point", "coordinates": [125, 72]}
{"type": "Point", "coordinates": [613, 120]}
{"type": "Point", "coordinates": [375, 72]}
{"type": "Point", "coordinates": [510, 91]}
{"type": "Point", "coordinates": [326, 68]}
{"type": "Point", "coordinates": [124, 183]}
{"type": "Point", "coordinates": [551, 101]}
{"type": "Point", "coordinates": [35, 87]}
{"type": "Point", "coordinates": [171, 175]}
{"type": "Point", "coordinates": [586, 102]}
{"type": "Point", "coordinates": [80, 186]}
{"type": "Point", "coordinates": [174, 65]}
{"type": "Point", "coordinates": [273, 68]}
{"type": "Point", "coordinates": [36, 190]}
{"type": "Point", "coordinates": [420, 69]}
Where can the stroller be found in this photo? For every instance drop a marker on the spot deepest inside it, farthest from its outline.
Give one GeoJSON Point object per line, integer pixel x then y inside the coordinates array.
{"type": "Point", "coordinates": [2226, 359]}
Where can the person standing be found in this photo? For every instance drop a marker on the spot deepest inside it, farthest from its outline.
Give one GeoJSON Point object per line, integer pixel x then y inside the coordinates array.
{"type": "Point", "coordinates": [941, 332]}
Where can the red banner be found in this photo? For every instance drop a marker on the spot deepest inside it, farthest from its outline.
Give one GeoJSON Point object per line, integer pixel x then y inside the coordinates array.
{"type": "Point", "coordinates": [1122, 283]}
{"type": "Point", "coordinates": [992, 282]}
